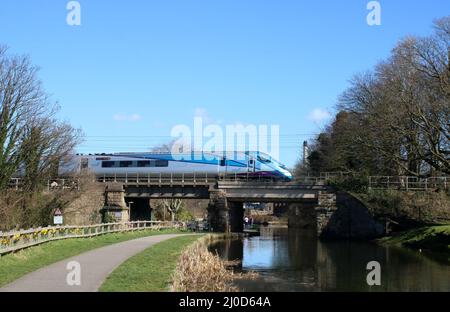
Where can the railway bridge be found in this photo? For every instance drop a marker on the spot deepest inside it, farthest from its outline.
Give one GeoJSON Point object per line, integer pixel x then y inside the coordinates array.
{"type": "Point", "coordinates": [308, 202]}
{"type": "Point", "coordinates": [226, 196]}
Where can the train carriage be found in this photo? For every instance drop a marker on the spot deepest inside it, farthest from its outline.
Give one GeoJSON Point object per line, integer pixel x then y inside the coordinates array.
{"type": "Point", "coordinates": [237, 164]}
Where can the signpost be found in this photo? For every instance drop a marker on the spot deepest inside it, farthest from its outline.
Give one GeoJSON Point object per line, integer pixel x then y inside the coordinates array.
{"type": "Point", "coordinates": [57, 217]}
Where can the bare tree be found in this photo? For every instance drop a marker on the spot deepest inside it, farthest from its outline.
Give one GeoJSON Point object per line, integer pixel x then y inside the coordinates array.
{"type": "Point", "coordinates": [32, 141]}
{"type": "Point", "coordinates": [395, 119]}
{"type": "Point", "coordinates": [46, 143]}
{"type": "Point", "coordinates": [21, 96]}
{"type": "Point", "coordinates": [173, 206]}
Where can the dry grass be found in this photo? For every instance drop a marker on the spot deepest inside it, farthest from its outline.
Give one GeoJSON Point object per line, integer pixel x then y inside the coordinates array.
{"type": "Point", "coordinates": [198, 270]}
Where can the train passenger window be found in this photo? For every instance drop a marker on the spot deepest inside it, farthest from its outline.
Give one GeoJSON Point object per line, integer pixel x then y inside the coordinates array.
{"type": "Point", "coordinates": [108, 164]}
{"type": "Point", "coordinates": [143, 163]}
{"type": "Point", "coordinates": [161, 163]}
{"type": "Point", "coordinates": [223, 162]}
{"type": "Point", "coordinates": [124, 164]}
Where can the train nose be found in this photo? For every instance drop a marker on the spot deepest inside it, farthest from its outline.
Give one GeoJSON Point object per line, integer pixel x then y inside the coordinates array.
{"type": "Point", "coordinates": [287, 174]}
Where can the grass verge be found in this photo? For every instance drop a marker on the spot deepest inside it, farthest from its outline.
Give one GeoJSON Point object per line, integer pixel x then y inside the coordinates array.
{"type": "Point", "coordinates": [433, 238]}
{"type": "Point", "coordinates": [15, 265]}
{"type": "Point", "coordinates": [151, 269]}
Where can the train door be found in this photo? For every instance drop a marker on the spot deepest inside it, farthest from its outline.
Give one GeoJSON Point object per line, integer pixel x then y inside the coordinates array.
{"type": "Point", "coordinates": [222, 168]}
{"type": "Point", "coordinates": [251, 164]}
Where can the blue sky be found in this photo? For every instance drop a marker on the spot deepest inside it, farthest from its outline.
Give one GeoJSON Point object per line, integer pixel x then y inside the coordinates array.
{"type": "Point", "coordinates": [135, 69]}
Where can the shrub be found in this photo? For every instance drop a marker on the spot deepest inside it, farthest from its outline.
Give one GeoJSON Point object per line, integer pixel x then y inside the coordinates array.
{"type": "Point", "coordinates": [184, 215]}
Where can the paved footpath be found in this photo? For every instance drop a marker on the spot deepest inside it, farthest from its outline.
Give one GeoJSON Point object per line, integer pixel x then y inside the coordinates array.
{"type": "Point", "coordinates": [96, 265]}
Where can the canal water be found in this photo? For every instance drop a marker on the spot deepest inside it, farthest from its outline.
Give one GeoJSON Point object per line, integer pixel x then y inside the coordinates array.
{"type": "Point", "coordinates": [295, 260]}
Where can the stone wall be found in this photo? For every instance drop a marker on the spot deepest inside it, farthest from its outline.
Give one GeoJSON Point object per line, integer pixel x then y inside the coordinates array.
{"type": "Point", "coordinates": [349, 219]}
{"type": "Point", "coordinates": [325, 209]}
{"type": "Point", "coordinates": [85, 208]}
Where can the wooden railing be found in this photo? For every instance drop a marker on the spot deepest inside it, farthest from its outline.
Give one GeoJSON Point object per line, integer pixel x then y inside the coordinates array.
{"type": "Point", "coordinates": [21, 239]}
{"type": "Point", "coordinates": [409, 183]}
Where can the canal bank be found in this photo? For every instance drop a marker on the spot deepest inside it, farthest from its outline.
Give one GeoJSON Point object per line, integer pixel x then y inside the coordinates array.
{"type": "Point", "coordinates": [429, 239]}
{"type": "Point", "coordinates": [287, 259]}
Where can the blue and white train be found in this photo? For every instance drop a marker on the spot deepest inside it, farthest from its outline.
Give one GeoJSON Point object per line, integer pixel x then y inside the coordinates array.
{"type": "Point", "coordinates": [248, 164]}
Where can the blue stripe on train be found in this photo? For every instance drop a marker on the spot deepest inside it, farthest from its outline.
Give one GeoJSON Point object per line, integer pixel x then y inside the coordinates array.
{"type": "Point", "coordinates": [191, 158]}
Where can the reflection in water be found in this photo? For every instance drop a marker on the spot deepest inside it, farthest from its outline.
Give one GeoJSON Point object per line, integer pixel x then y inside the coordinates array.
{"type": "Point", "coordinates": [295, 260]}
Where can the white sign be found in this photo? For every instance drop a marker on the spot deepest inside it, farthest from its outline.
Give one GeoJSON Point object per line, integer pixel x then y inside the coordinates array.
{"type": "Point", "coordinates": [57, 220]}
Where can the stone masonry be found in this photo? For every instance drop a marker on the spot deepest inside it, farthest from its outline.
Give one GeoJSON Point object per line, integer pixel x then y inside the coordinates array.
{"type": "Point", "coordinates": [218, 211]}
{"type": "Point", "coordinates": [326, 207]}
{"type": "Point", "coordinates": [115, 208]}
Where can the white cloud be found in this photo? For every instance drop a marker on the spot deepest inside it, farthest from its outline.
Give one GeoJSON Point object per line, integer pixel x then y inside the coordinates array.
{"type": "Point", "coordinates": [132, 117]}
{"type": "Point", "coordinates": [319, 115]}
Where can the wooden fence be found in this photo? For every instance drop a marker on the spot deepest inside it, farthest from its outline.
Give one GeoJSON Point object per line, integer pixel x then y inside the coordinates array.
{"type": "Point", "coordinates": [17, 240]}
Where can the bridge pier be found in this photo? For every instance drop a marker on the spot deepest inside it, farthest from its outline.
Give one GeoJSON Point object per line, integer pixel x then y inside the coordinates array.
{"type": "Point", "coordinates": [224, 215]}
{"type": "Point", "coordinates": [218, 211]}
{"type": "Point", "coordinates": [236, 216]}
{"type": "Point", "coordinates": [326, 207]}
{"type": "Point", "coordinates": [115, 209]}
